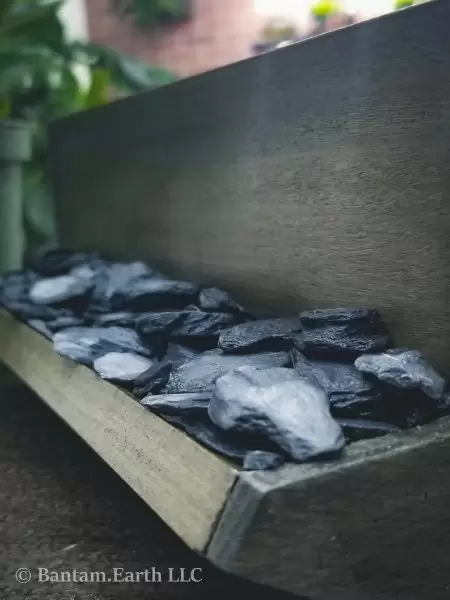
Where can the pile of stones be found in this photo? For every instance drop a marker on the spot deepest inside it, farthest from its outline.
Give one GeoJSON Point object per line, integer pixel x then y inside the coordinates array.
{"type": "Point", "coordinates": [260, 391]}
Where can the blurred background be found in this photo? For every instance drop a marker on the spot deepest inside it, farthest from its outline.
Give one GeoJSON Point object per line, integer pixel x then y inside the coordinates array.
{"type": "Point", "coordinates": [205, 34]}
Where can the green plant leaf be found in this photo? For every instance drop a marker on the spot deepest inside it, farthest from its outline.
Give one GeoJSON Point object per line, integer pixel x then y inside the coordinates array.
{"type": "Point", "coordinates": [5, 108]}
{"type": "Point", "coordinates": [5, 8]}
{"type": "Point", "coordinates": [35, 24]}
{"type": "Point", "coordinates": [98, 93]}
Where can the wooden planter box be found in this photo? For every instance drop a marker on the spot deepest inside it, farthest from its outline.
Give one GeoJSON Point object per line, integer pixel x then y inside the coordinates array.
{"type": "Point", "coordinates": [316, 175]}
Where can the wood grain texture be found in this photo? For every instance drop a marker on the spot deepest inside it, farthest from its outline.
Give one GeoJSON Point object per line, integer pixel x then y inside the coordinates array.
{"type": "Point", "coordinates": [374, 526]}
{"type": "Point", "coordinates": [313, 176]}
{"type": "Point", "coordinates": [184, 484]}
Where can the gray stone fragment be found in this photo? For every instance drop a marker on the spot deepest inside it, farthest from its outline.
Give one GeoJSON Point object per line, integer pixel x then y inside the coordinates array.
{"type": "Point", "coordinates": [179, 404]}
{"type": "Point", "coordinates": [120, 319]}
{"type": "Point", "coordinates": [210, 436]}
{"type": "Point", "coordinates": [121, 366]}
{"type": "Point", "coordinates": [277, 403]}
{"type": "Point", "coordinates": [405, 369]}
{"type": "Point", "coordinates": [217, 300]}
{"type": "Point", "coordinates": [64, 322]}
{"type": "Point", "coordinates": [177, 355]}
{"type": "Point", "coordinates": [264, 334]}
{"type": "Point", "coordinates": [259, 460]}
{"type": "Point", "coordinates": [85, 344]}
{"type": "Point", "coordinates": [155, 294]}
{"type": "Point", "coordinates": [153, 380]}
{"type": "Point", "coordinates": [341, 316]}
{"type": "Point", "coordinates": [333, 377]}
{"type": "Point", "coordinates": [200, 374]}
{"type": "Point", "coordinates": [358, 429]}
{"type": "Point", "coordinates": [342, 342]}
{"type": "Point", "coordinates": [59, 289]}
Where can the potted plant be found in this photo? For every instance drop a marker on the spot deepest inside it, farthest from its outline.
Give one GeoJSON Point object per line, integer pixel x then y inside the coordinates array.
{"type": "Point", "coordinates": [39, 83]}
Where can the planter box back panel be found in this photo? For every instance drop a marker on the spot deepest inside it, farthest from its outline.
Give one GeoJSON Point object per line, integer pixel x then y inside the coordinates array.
{"type": "Point", "coordinates": [313, 176]}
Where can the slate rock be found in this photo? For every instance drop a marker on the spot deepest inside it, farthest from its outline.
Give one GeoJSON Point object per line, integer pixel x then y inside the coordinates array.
{"type": "Point", "coordinates": [361, 318]}
{"type": "Point", "coordinates": [119, 319]}
{"type": "Point", "coordinates": [350, 393]}
{"type": "Point", "coordinates": [60, 261]}
{"type": "Point", "coordinates": [16, 286]}
{"type": "Point", "coordinates": [56, 290]}
{"type": "Point", "coordinates": [200, 374]}
{"type": "Point", "coordinates": [64, 322]}
{"type": "Point", "coordinates": [277, 403]}
{"type": "Point", "coordinates": [121, 366]}
{"type": "Point", "coordinates": [342, 342]}
{"type": "Point", "coordinates": [41, 327]}
{"type": "Point", "coordinates": [85, 344]}
{"type": "Point", "coordinates": [195, 328]}
{"type": "Point", "coordinates": [210, 436]}
{"type": "Point", "coordinates": [333, 377]}
{"type": "Point", "coordinates": [216, 300]}
{"type": "Point", "coordinates": [187, 405]}
{"type": "Point", "coordinates": [360, 429]}
{"type": "Point", "coordinates": [343, 333]}
{"type": "Point", "coordinates": [152, 294]}
{"type": "Point", "coordinates": [258, 460]}
{"type": "Point", "coordinates": [260, 335]}
{"type": "Point", "coordinates": [178, 354]}
{"type": "Point", "coordinates": [113, 279]}
{"type": "Point", "coordinates": [405, 369]}
{"type": "Point", "coordinates": [153, 324]}
{"type": "Point", "coordinates": [153, 380]}
{"type": "Point", "coordinates": [27, 311]}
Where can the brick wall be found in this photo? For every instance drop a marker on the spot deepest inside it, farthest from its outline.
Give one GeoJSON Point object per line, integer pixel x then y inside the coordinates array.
{"type": "Point", "coordinates": [219, 32]}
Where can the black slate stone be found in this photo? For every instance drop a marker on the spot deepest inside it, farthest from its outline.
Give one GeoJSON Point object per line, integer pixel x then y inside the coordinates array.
{"type": "Point", "coordinates": [60, 261]}
{"type": "Point", "coordinates": [154, 324]}
{"type": "Point", "coordinates": [65, 322]}
{"type": "Point", "coordinates": [211, 436]}
{"type": "Point", "coordinates": [113, 279]}
{"type": "Point", "coordinates": [119, 319]}
{"type": "Point", "coordinates": [27, 311]}
{"type": "Point", "coordinates": [343, 333]}
{"type": "Point", "coordinates": [153, 380]}
{"type": "Point", "coordinates": [260, 335]}
{"type": "Point", "coordinates": [200, 374]}
{"type": "Point", "coordinates": [258, 460]}
{"type": "Point", "coordinates": [361, 318]}
{"type": "Point", "coordinates": [195, 328]}
{"type": "Point", "coordinates": [178, 354]}
{"type": "Point", "coordinates": [153, 294]}
{"type": "Point", "coordinates": [359, 429]}
{"type": "Point", "coordinates": [216, 300]}
{"type": "Point", "coordinates": [86, 344]}
{"type": "Point", "coordinates": [279, 405]}
{"type": "Point", "coordinates": [342, 342]}
{"type": "Point", "coordinates": [186, 405]}
{"type": "Point", "coordinates": [350, 393]}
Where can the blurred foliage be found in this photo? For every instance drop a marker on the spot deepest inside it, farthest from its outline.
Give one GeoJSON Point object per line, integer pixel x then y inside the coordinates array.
{"type": "Point", "coordinates": [399, 4]}
{"type": "Point", "coordinates": [325, 8]}
{"type": "Point", "coordinates": [153, 12]}
{"type": "Point", "coordinates": [277, 30]}
{"type": "Point", "coordinates": [43, 76]}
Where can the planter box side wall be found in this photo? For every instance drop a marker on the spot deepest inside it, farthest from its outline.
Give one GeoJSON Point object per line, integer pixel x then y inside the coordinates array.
{"type": "Point", "coordinates": [313, 176]}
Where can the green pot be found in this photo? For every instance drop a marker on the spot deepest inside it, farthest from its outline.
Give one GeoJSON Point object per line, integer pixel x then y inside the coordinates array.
{"type": "Point", "coordinates": [15, 150]}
